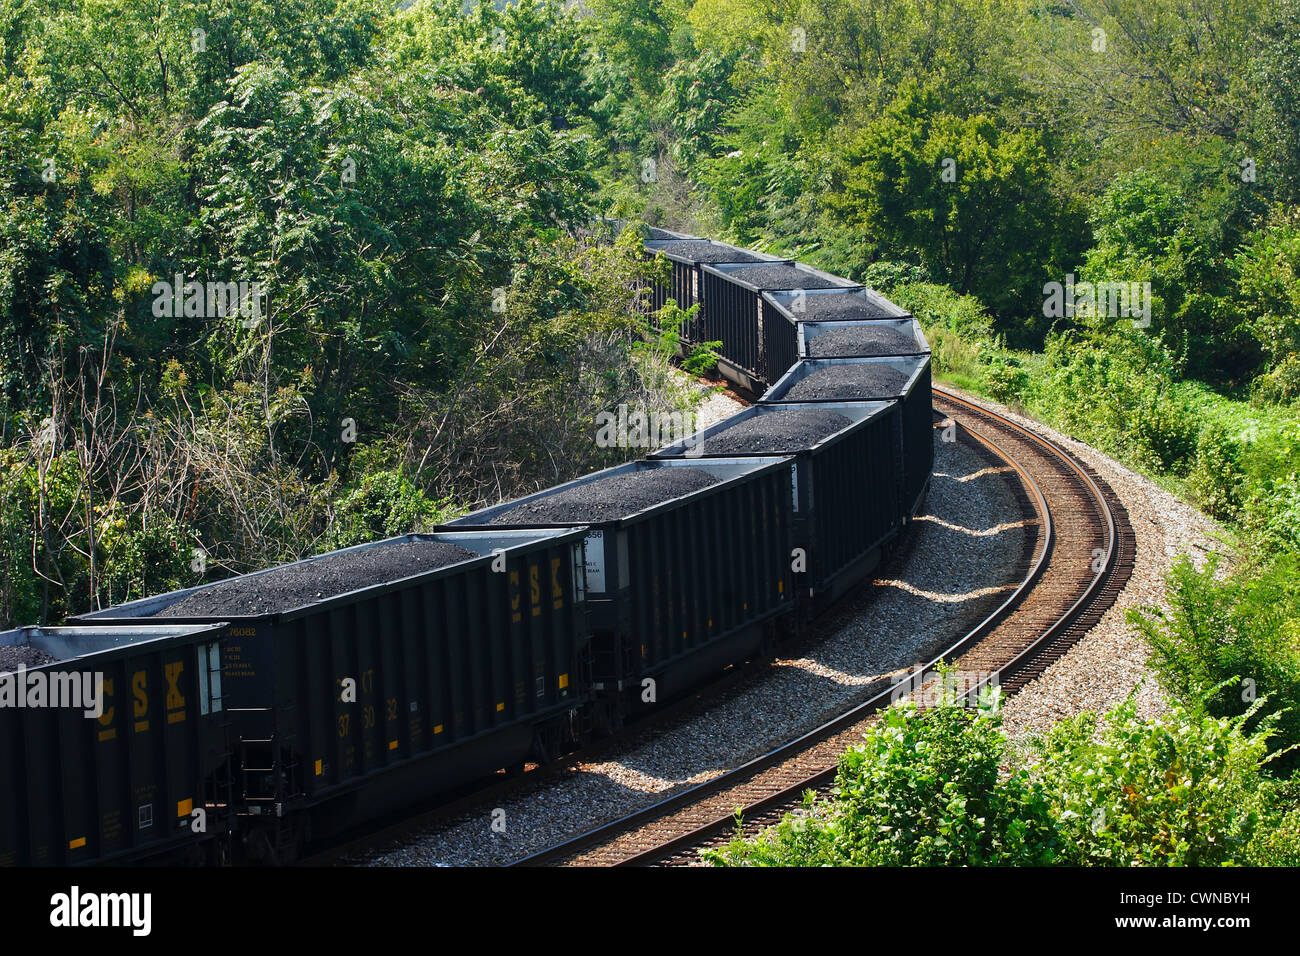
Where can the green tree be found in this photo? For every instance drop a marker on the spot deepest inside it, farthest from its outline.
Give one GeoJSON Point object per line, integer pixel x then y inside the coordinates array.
{"type": "Point", "coordinates": [1267, 270]}
{"type": "Point", "coordinates": [1175, 236]}
{"type": "Point", "coordinates": [972, 200]}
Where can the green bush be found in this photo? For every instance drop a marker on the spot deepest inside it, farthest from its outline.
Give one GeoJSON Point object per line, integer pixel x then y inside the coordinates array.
{"type": "Point", "coordinates": [1118, 390]}
{"type": "Point", "coordinates": [1267, 269]}
{"type": "Point", "coordinates": [922, 790]}
{"type": "Point", "coordinates": [1166, 430]}
{"type": "Point", "coordinates": [887, 275]}
{"type": "Point", "coordinates": [143, 560]}
{"type": "Point", "coordinates": [1272, 516]}
{"type": "Point", "coordinates": [1225, 644]}
{"type": "Point", "coordinates": [382, 505]}
{"type": "Point", "coordinates": [958, 328]}
{"type": "Point", "coordinates": [1217, 474]}
{"type": "Point", "coordinates": [1271, 510]}
{"type": "Point", "coordinates": [939, 307]}
{"type": "Point", "coordinates": [45, 577]}
{"type": "Point", "coordinates": [1277, 839]}
{"type": "Point", "coordinates": [1004, 377]}
{"type": "Point", "coordinates": [1184, 789]}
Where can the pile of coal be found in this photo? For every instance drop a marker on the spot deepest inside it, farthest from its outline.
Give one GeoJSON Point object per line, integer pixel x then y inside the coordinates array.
{"type": "Point", "coordinates": [849, 381]}
{"type": "Point", "coordinates": [306, 582]}
{"type": "Point", "coordinates": [852, 340]}
{"type": "Point", "coordinates": [776, 433]}
{"type": "Point", "coordinates": [609, 498]}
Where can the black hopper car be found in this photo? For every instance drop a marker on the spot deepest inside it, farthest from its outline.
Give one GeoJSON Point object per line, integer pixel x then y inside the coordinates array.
{"type": "Point", "coordinates": [250, 718]}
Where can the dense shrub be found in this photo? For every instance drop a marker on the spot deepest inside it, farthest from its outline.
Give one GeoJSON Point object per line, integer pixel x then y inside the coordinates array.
{"type": "Point", "coordinates": [1217, 474]}
{"type": "Point", "coordinates": [1224, 645]}
{"type": "Point", "coordinates": [1120, 391]}
{"type": "Point", "coordinates": [922, 790]}
{"type": "Point", "coordinates": [925, 789]}
{"type": "Point", "coordinates": [382, 504]}
{"type": "Point", "coordinates": [143, 560]}
{"type": "Point", "coordinates": [1267, 270]}
{"type": "Point", "coordinates": [1004, 376]}
{"type": "Point", "coordinates": [958, 327]}
{"type": "Point", "coordinates": [1183, 789]}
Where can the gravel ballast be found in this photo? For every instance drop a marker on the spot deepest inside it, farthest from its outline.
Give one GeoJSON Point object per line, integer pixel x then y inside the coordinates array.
{"type": "Point", "coordinates": [609, 498]}
{"type": "Point", "coordinates": [776, 433]}
{"type": "Point", "coordinates": [861, 340]}
{"type": "Point", "coordinates": [778, 275]}
{"type": "Point", "coordinates": [13, 656]}
{"type": "Point", "coordinates": [294, 585]}
{"type": "Point", "coordinates": [837, 306]}
{"type": "Point", "coordinates": [700, 250]}
{"type": "Point", "coordinates": [851, 381]}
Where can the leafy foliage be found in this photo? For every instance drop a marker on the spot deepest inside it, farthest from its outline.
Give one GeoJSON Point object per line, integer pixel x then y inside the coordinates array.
{"type": "Point", "coordinates": [382, 505]}
{"type": "Point", "coordinates": [959, 193]}
{"type": "Point", "coordinates": [1183, 789]}
{"type": "Point", "coordinates": [926, 790]}
{"type": "Point", "coordinates": [1225, 645]}
{"type": "Point", "coordinates": [404, 190]}
{"type": "Point", "coordinates": [923, 790]}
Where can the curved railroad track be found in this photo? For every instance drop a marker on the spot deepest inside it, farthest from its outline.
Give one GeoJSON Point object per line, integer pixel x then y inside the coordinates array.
{"type": "Point", "coordinates": [1081, 561]}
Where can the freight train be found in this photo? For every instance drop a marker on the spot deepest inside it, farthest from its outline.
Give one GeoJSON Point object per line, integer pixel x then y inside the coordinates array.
{"type": "Point", "coordinates": [247, 719]}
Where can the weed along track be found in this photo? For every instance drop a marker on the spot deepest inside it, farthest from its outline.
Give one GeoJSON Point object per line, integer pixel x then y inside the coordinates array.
{"type": "Point", "coordinates": [1076, 563]}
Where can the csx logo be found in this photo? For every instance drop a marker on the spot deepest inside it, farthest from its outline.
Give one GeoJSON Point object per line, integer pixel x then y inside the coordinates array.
{"type": "Point", "coordinates": [174, 701]}
{"type": "Point", "coordinates": [534, 592]}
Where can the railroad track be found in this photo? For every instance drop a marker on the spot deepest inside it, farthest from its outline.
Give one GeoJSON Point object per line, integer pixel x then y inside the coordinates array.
{"type": "Point", "coordinates": [1080, 562]}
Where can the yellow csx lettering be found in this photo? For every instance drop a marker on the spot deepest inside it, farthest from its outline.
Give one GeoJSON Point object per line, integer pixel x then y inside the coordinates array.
{"type": "Point", "coordinates": [140, 706]}
{"type": "Point", "coordinates": [514, 596]}
{"type": "Point", "coordinates": [106, 718]}
{"type": "Point", "coordinates": [175, 699]}
{"type": "Point", "coordinates": [535, 588]}
{"type": "Point", "coordinates": [557, 592]}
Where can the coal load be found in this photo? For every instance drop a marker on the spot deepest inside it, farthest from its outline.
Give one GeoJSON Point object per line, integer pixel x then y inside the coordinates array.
{"type": "Point", "coordinates": [295, 585]}
{"type": "Point", "coordinates": [778, 275]}
{"type": "Point", "coordinates": [610, 498]}
{"type": "Point", "coordinates": [653, 233]}
{"type": "Point", "coordinates": [701, 250]}
{"type": "Point", "coordinates": [852, 381]}
{"type": "Point", "coordinates": [13, 656]}
{"type": "Point", "coordinates": [776, 433]}
{"type": "Point", "coordinates": [837, 306]}
{"type": "Point", "coordinates": [861, 340]}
